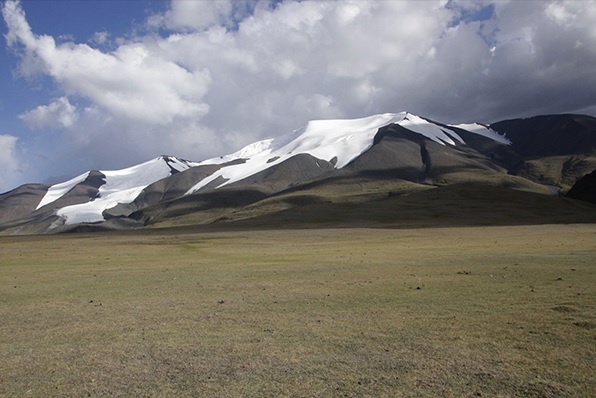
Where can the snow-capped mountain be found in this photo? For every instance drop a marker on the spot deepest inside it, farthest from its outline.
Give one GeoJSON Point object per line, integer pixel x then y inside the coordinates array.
{"type": "Point", "coordinates": [342, 140]}
{"type": "Point", "coordinates": [392, 146]}
{"type": "Point", "coordinates": [119, 187]}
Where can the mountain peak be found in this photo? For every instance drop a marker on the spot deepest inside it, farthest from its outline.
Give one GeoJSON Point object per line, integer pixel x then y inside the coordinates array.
{"type": "Point", "coordinates": [401, 145]}
{"type": "Point", "coordinates": [337, 140]}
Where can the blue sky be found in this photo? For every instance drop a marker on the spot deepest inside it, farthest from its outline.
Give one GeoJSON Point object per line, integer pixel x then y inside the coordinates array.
{"type": "Point", "coordinates": [82, 18]}
{"type": "Point", "coordinates": [90, 84]}
{"type": "Point", "coordinates": [66, 20]}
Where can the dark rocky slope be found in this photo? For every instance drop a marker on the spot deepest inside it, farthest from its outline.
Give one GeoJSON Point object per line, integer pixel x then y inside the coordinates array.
{"type": "Point", "coordinates": [584, 189]}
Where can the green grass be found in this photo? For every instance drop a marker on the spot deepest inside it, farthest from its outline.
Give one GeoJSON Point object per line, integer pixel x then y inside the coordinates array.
{"type": "Point", "coordinates": [483, 311]}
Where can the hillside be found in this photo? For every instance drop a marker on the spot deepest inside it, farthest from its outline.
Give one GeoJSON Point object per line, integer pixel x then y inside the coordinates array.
{"type": "Point", "coordinates": [377, 167]}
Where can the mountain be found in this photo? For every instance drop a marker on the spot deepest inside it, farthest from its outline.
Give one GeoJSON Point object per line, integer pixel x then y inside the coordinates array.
{"type": "Point", "coordinates": [328, 170]}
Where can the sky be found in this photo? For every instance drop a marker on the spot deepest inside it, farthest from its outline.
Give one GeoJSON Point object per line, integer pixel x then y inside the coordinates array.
{"type": "Point", "coordinates": [90, 84]}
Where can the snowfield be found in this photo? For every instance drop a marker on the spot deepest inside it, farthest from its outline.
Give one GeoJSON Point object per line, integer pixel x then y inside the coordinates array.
{"type": "Point", "coordinates": [340, 141]}
{"type": "Point", "coordinates": [483, 131]}
{"type": "Point", "coordinates": [121, 186]}
{"type": "Point", "coordinates": [323, 139]}
{"type": "Point", "coordinates": [343, 139]}
{"type": "Point", "coordinates": [55, 192]}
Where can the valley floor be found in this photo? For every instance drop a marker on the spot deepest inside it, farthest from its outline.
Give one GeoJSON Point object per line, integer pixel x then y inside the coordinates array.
{"type": "Point", "coordinates": [356, 312]}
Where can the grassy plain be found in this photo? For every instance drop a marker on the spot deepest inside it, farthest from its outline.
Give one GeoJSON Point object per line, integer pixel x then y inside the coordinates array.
{"type": "Point", "coordinates": [452, 312]}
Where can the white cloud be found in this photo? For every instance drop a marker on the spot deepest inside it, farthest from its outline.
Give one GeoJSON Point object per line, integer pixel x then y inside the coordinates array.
{"type": "Point", "coordinates": [59, 114]}
{"type": "Point", "coordinates": [560, 13]}
{"type": "Point", "coordinates": [197, 15]}
{"type": "Point", "coordinates": [130, 82]}
{"type": "Point", "coordinates": [231, 72]}
{"type": "Point", "coordinates": [100, 38]}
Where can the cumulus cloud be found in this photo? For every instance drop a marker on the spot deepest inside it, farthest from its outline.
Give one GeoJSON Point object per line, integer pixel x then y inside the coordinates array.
{"type": "Point", "coordinates": [195, 15]}
{"type": "Point", "coordinates": [131, 82]}
{"type": "Point", "coordinates": [192, 16]}
{"type": "Point", "coordinates": [58, 114]}
{"type": "Point", "coordinates": [226, 73]}
{"type": "Point", "coordinates": [100, 38]}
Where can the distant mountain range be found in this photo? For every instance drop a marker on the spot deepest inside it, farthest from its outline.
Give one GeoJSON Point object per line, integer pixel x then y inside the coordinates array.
{"type": "Point", "coordinates": [380, 170]}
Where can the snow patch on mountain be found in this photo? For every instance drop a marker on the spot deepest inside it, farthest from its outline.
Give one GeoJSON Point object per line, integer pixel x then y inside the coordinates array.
{"type": "Point", "coordinates": [430, 130]}
{"type": "Point", "coordinates": [483, 131]}
{"type": "Point", "coordinates": [122, 186]}
{"type": "Point", "coordinates": [335, 141]}
{"type": "Point", "coordinates": [343, 139]}
{"type": "Point", "coordinates": [178, 164]}
{"type": "Point", "coordinates": [56, 191]}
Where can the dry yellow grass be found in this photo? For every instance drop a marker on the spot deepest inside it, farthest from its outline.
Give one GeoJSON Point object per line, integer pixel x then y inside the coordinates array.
{"type": "Point", "coordinates": [481, 311]}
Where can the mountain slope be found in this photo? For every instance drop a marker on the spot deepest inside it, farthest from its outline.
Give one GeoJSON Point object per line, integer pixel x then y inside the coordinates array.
{"type": "Point", "coordinates": [328, 161]}
{"type": "Point", "coordinates": [20, 202]}
{"type": "Point", "coordinates": [334, 141]}
{"type": "Point", "coordinates": [554, 150]}
{"type": "Point", "coordinates": [83, 198]}
{"type": "Point", "coordinates": [584, 189]}
{"type": "Point", "coordinates": [465, 204]}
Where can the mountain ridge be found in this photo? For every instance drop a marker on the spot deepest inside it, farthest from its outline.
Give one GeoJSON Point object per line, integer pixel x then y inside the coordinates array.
{"type": "Point", "coordinates": [386, 150]}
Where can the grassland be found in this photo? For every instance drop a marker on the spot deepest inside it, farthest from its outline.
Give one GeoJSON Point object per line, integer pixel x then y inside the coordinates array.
{"type": "Point", "coordinates": [452, 312]}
